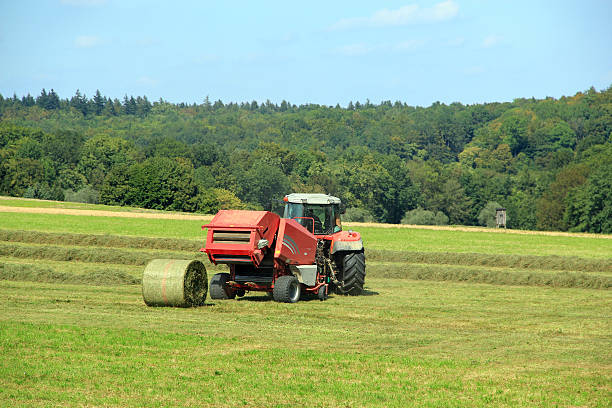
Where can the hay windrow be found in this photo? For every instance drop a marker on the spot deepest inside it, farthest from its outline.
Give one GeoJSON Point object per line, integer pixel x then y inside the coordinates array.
{"type": "Point", "coordinates": [561, 279]}
{"type": "Point", "coordinates": [86, 254]}
{"type": "Point", "coordinates": [569, 263]}
{"type": "Point", "coordinates": [43, 273]}
{"type": "Point", "coordinates": [552, 262]}
{"type": "Point", "coordinates": [109, 241]}
{"type": "Point", "coordinates": [138, 251]}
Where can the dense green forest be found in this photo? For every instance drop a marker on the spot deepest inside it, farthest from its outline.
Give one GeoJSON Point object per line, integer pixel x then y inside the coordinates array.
{"type": "Point", "coordinates": [548, 161]}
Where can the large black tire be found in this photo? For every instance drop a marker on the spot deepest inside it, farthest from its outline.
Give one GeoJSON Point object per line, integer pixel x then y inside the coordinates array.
{"type": "Point", "coordinates": [287, 289]}
{"type": "Point", "coordinates": [353, 273]}
{"type": "Point", "coordinates": [219, 289]}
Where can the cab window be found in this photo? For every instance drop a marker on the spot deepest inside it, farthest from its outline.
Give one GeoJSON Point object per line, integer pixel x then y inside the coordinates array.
{"type": "Point", "coordinates": [324, 217]}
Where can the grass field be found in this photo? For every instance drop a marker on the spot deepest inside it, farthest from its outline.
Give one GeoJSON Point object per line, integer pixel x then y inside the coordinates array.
{"type": "Point", "coordinates": [450, 318]}
{"type": "Point", "coordinates": [401, 239]}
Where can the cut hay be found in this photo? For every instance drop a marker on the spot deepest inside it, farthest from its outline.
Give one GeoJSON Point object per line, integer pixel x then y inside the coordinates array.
{"type": "Point", "coordinates": [109, 241]}
{"type": "Point", "coordinates": [495, 276]}
{"type": "Point", "coordinates": [38, 273]}
{"type": "Point", "coordinates": [84, 254]}
{"type": "Point", "coordinates": [551, 262]}
{"type": "Point", "coordinates": [174, 282]}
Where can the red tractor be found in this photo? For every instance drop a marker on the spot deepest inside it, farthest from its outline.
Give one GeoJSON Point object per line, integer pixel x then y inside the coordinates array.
{"type": "Point", "coordinates": [305, 251]}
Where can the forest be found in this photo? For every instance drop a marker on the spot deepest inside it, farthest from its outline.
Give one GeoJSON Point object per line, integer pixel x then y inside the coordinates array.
{"type": "Point", "coordinates": [547, 161]}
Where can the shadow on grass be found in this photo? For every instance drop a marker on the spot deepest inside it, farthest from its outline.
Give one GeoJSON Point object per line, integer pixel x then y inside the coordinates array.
{"type": "Point", "coordinates": [255, 298]}
{"type": "Point", "coordinates": [264, 298]}
{"type": "Point", "coordinates": [307, 297]}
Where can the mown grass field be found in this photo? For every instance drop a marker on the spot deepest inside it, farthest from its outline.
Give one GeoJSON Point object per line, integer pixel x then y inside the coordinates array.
{"type": "Point", "coordinates": [450, 318]}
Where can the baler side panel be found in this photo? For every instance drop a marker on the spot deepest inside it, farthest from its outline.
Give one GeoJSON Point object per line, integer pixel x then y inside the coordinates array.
{"type": "Point", "coordinates": [256, 225]}
{"type": "Point", "coordinates": [295, 245]}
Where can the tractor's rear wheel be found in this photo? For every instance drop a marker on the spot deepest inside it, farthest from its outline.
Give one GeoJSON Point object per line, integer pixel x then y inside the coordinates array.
{"type": "Point", "coordinates": [353, 274]}
{"type": "Point", "coordinates": [219, 288]}
{"type": "Point", "coordinates": [287, 289]}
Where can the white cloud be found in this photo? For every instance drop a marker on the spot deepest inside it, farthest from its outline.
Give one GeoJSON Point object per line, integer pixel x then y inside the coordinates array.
{"type": "Point", "coordinates": [87, 41]}
{"type": "Point", "coordinates": [409, 14]}
{"type": "Point", "coordinates": [491, 41]}
{"type": "Point", "coordinates": [86, 3]}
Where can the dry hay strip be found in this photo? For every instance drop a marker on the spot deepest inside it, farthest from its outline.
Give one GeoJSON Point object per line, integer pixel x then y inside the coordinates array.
{"type": "Point", "coordinates": [111, 241]}
{"type": "Point", "coordinates": [86, 254]}
{"type": "Point", "coordinates": [38, 273]}
{"type": "Point", "coordinates": [104, 213]}
{"type": "Point", "coordinates": [552, 262]}
{"type": "Point", "coordinates": [473, 275]}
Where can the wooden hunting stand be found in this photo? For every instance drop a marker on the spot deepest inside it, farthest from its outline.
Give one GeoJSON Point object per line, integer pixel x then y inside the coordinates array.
{"type": "Point", "coordinates": [500, 217]}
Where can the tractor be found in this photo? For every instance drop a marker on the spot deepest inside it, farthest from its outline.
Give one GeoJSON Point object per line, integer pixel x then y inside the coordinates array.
{"type": "Point", "coordinates": [304, 251]}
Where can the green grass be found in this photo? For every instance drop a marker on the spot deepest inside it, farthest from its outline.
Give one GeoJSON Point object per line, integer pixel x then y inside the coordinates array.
{"type": "Point", "coordinates": [395, 239]}
{"type": "Point", "coordinates": [423, 240]}
{"type": "Point", "coordinates": [89, 252]}
{"type": "Point", "coordinates": [408, 344]}
{"type": "Point", "coordinates": [430, 331]}
{"type": "Point", "coordinates": [555, 262]}
{"type": "Point", "coordinates": [82, 224]}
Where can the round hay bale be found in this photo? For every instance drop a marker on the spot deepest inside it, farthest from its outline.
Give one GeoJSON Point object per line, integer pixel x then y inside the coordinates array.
{"type": "Point", "coordinates": [174, 282]}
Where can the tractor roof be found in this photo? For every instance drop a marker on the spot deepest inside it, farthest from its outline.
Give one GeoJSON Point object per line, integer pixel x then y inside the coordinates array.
{"type": "Point", "coordinates": [311, 198]}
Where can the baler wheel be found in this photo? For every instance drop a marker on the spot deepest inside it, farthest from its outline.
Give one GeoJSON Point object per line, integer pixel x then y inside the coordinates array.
{"type": "Point", "coordinates": [353, 273]}
{"type": "Point", "coordinates": [219, 288]}
{"type": "Point", "coordinates": [287, 289]}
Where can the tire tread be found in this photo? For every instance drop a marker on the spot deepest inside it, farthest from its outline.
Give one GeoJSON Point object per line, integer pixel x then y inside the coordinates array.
{"type": "Point", "coordinates": [353, 273]}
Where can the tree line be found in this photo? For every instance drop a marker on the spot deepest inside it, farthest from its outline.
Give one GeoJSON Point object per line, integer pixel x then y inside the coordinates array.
{"type": "Point", "coordinates": [547, 161]}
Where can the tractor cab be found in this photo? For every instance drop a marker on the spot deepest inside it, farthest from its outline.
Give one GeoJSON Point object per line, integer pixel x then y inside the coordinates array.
{"type": "Point", "coordinates": [318, 213]}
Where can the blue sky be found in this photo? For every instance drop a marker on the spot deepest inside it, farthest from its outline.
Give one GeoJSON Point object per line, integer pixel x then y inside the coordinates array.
{"type": "Point", "coordinates": [324, 52]}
